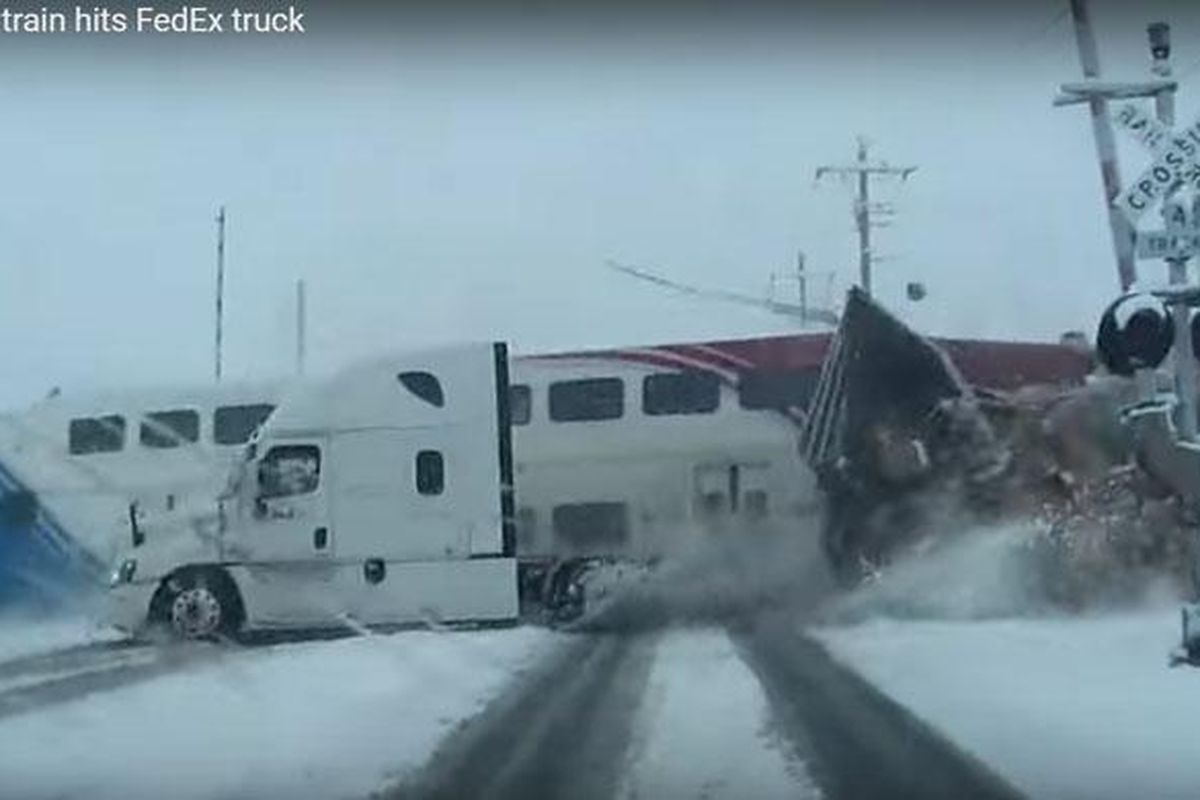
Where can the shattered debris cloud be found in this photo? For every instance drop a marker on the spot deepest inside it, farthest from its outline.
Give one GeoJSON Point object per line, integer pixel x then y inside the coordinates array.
{"type": "Point", "coordinates": [715, 574]}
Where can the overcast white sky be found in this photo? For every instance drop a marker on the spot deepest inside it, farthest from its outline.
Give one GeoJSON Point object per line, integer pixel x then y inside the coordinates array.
{"type": "Point", "coordinates": [466, 176]}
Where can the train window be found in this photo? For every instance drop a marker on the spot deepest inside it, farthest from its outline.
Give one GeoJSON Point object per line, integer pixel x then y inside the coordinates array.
{"type": "Point", "coordinates": [163, 429]}
{"type": "Point", "coordinates": [777, 388]}
{"type": "Point", "coordinates": [587, 399]}
{"type": "Point", "coordinates": [424, 385]}
{"type": "Point", "coordinates": [431, 472]}
{"type": "Point", "coordinates": [520, 404]}
{"type": "Point", "coordinates": [680, 393]}
{"type": "Point", "coordinates": [710, 503]}
{"type": "Point", "coordinates": [96, 435]}
{"type": "Point", "coordinates": [755, 504]}
{"type": "Point", "coordinates": [236, 424]}
{"type": "Point", "coordinates": [587, 524]}
{"type": "Point", "coordinates": [526, 528]}
{"type": "Point", "coordinates": [288, 470]}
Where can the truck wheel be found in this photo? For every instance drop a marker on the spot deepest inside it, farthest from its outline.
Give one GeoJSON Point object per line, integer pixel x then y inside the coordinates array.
{"type": "Point", "coordinates": [199, 604]}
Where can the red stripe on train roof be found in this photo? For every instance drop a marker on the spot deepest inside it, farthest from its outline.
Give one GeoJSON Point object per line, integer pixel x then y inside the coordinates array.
{"type": "Point", "coordinates": [987, 363]}
{"type": "Point", "coordinates": [650, 356]}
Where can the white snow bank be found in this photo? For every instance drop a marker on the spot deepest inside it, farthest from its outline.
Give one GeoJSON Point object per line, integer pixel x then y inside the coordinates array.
{"type": "Point", "coordinates": [25, 637]}
{"type": "Point", "coordinates": [703, 728]}
{"type": "Point", "coordinates": [327, 720]}
{"type": "Point", "coordinates": [1063, 708]}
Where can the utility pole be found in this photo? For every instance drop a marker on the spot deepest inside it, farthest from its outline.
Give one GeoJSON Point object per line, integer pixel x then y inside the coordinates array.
{"type": "Point", "coordinates": [301, 324]}
{"type": "Point", "coordinates": [802, 280]}
{"type": "Point", "coordinates": [1106, 149]}
{"type": "Point", "coordinates": [862, 170]}
{"type": "Point", "coordinates": [220, 290]}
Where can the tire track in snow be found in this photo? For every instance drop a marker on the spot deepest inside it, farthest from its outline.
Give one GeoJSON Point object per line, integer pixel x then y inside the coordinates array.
{"type": "Point", "coordinates": [62, 658]}
{"type": "Point", "coordinates": [860, 744]}
{"type": "Point", "coordinates": [563, 731]}
{"type": "Point", "coordinates": [35, 682]}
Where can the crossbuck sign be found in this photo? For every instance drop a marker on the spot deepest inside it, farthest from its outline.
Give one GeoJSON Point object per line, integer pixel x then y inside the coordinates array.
{"type": "Point", "coordinates": [1176, 164]}
{"type": "Point", "coordinates": [1177, 161]}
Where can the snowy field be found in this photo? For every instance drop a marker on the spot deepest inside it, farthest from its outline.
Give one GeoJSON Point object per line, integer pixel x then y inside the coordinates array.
{"type": "Point", "coordinates": [320, 719]}
{"type": "Point", "coordinates": [1070, 709]}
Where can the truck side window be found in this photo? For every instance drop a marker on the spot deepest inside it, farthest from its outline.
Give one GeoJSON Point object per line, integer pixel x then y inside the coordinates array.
{"type": "Point", "coordinates": [431, 472]}
{"type": "Point", "coordinates": [288, 470]}
{"type": "Point", "coordinates": [424, 385]}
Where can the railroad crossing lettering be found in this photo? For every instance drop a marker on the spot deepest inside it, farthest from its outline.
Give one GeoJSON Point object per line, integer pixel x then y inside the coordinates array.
{"type": "Point", "coordinates": [1168, 244]}
{"type": "Point", "coordinates": [1176, 163]}
{"type": "Point", "coordinates": [1143, 127]}
{"type": "Point", "coordinates": [1180, 240]}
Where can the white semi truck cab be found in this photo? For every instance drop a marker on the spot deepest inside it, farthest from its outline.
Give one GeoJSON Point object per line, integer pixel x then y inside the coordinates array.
{"type": "Point", "coordinates": [382, 496]}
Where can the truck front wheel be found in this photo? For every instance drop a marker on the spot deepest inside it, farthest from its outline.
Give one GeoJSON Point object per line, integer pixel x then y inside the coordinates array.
{"type": "Point", "coordinates": [198, 604]}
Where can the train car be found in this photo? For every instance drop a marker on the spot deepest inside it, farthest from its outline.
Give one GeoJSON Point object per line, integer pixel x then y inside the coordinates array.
{"type": "Point", "coordinates": [621, 453]}
{"type": "Point", "coordinates": [71, 468]}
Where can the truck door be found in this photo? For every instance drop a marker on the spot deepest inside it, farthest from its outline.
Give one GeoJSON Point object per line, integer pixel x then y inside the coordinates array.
{"type": "Point", "coordinates": [286, 546]}
{"type": "Point", "coordinates": [290, 514]}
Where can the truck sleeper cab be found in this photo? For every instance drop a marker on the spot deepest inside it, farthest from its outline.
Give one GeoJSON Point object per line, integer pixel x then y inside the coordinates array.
{"type": "Point", "coordinates": [381, 496]}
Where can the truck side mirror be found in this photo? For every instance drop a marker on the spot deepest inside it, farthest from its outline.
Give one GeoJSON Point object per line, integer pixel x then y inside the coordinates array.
{"type": "Point", "coordinates": [374, 570]}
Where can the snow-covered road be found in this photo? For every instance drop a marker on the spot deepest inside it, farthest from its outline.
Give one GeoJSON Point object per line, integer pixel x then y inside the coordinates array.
{"type": "Point", "coordinates": [1065, 708]}
{"type": "Point", "coordinates": [705, 728]}
{"type": "Point", "coordinates": [759, 710]}
{"type": "Point", "coordinates": [319, 719]}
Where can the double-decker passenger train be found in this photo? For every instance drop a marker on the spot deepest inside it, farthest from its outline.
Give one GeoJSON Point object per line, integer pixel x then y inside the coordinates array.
{"type": "Point", "coordinates": [619, 453]}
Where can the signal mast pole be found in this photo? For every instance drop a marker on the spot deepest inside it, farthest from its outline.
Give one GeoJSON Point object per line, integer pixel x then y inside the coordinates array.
{"type": "Point", "coordinates": [862, 171]}
{"type": "Point", "coordinates": [1096, 93]}
{"type": "Point", "coordinates": [220, 291]}
{"type": "Point", "coordinates": [1159, 34]}
{"type": "Point", "coordinates": [1106, 149]}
